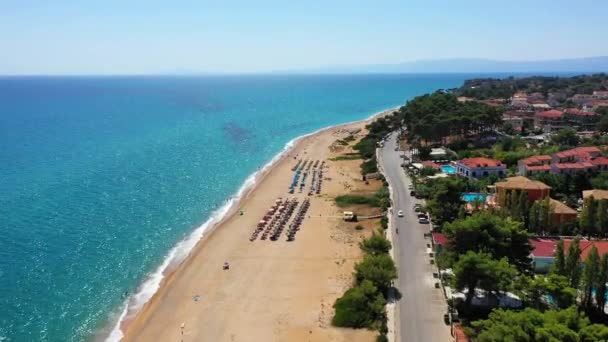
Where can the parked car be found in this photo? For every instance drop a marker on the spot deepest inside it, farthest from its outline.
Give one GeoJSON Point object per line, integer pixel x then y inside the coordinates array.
{"type": "Point", "coordinates": [400, 213]}
{"type": "Point", "coordinates": [423, 220]}
{"type": "Point", "coordinates": [410, 187]}
{"type": "Point", "coordinates": [412, 193]}
{"type": "Point", "coordinates": [422, 215]}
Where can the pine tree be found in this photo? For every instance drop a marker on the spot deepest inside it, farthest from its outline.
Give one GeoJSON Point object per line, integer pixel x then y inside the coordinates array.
{"type": "Point", "coordinates": [522, 206]}
{"type": "Point", "coordinates": [533, 218]}
{"type": "Point", "coordinates": [591, 272]}
{"type": "Point", "coordinates": [544, 215]}
{"type": "Point", "coordinates": [559, 266]}
{"type": "Point", "coordinates": [588, 216]}
{"type": "Point", "coordinates": [601, 222]}
{"type": "Point", "coordinates": [602, 279]}
{"type": "Point", "coordinates": [573, 267]}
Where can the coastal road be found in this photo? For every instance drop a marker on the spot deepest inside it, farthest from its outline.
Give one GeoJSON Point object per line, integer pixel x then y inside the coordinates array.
{"type": "Point", "coordinates": [419, 312]}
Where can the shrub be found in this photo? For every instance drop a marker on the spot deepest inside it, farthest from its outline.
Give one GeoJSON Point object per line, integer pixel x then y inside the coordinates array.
{"type": "Point", "coordinates": [379, 269]}
{"type": "Point", "coordinates": [359, 307]}
{"type": "Point", "coordinates": [375, 244]}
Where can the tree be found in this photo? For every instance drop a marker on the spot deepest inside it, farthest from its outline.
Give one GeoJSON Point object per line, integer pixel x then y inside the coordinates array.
{"type": "Point", "coordinates": [379, 269]}
{"type": "Point", "coordinates": [479, 270]}
{"type": "Point", "coordinates": [601, 222]}
{"type": "Point", "coordinates": [591, 272]}
{"type": "Point", "coordinates": [566, 137]}
{"type": "Point", "coordinates": [573, 267]}
{"type": "Point", "coordinates": [553, 284]}
{"type": "Point", "coordinates": [559, 266]}
{"type": "Point", "coordinates": [485, 232]}
{"type": "Point", "coordinates": [593, 333]}
{"type": "Point", "coordinates": [588, 216]}
{"type": "Point", "coordinates": [602, 279]}
{"type": "Point", "coordinates": [530, 325]}
{"type": "Point", "coordinates": [508, 129]}
{"type": "Point", "coordinates": [375, 244]}
{"type": "Point", "coordinates": [359, 307]}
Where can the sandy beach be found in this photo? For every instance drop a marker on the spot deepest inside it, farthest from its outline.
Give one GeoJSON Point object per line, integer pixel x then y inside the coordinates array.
{"type": "Point", "coordinates": [274, 290]}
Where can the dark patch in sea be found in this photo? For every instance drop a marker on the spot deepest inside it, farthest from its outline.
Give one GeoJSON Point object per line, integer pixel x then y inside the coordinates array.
{"type": "Point", "coordinates": [236, 133]}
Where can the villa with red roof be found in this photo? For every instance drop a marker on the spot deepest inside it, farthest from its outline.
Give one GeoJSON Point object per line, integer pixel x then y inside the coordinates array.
{"type": "Point", "coordinates": [585, 120]}
{"type": "Point", "coordinates": [577, 160]}
{"type": "Point", "coordinates": [543, 249]}
{"type": "Point", "coordinates": [550, 119]}
{"type": "Point", "coordinates": [480, 167]}
{"type": "Point", "coordinates": [543, 254]}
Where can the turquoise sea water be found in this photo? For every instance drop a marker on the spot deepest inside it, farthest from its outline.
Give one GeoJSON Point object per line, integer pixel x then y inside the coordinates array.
{"type": "Point", "coordinates": [101, 177]}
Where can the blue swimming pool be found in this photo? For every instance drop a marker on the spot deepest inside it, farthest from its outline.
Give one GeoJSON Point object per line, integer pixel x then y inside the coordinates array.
{"type": "Point", "coordinates": [448, 169]}
{"type": "Point", "coordinates": [474, 196]}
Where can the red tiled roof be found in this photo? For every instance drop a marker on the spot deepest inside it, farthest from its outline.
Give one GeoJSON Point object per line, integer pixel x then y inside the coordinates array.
{"type": "Point", "coordinates": [429, 163]}
{"type": "Point", "coordinates": [599, 161]}
{"type": "Point", "coordinates": [601, 245]}
{"type": "Point", "coordinates": [440, 239]}
{"type": "Point", "coordinates": [582, 152]}
{"type": "Point", "coordinates": [480, 162]}
{"type": "Point", "coordinates": [577, 166]}
{"type": "Point", "coordinates": [578, 112]}
{"type": "Point", "coordinates": [552, 113]}
{"type": "Point", "coordinates": [536, 159]}
{"type": "Point", "coordinates": [543, 248]}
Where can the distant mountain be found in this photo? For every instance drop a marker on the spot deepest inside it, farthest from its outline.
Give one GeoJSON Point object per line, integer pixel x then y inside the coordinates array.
{"type": "Point", "coordinates": [478, 65]}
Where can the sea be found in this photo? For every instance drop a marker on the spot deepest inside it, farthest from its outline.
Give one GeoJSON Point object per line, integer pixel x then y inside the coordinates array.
{"type": "Point", "coordinates": [107, 181]}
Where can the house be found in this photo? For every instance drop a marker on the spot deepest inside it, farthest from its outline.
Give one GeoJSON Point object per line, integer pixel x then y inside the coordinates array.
{"type": "Point", "coordinates": [596, 194]}
{"type": "Point", "coordinates": [520, 100]}
{"type": "Point", "coordinates": [534, 165]}
{"type": "Point", "coordinates": [585, 120]}
{"type": "Point", "coordinates": [543, 253]}
{"type": "Point", "coordinates": [549, 120]}
{"type": "Point", "coordinates": [577, 160]}
{"type": "Point", "coordinates": [536, 190]}
{"type": "Point", "coordinates": [480, 167]}
{"type": "Point", "coordinates": [561, 213]}
{"type": "Point", "coordinates": [601, 94]}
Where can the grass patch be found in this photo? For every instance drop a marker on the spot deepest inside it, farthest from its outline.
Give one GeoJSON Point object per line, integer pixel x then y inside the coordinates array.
{"type": "Point", "coordinates": [347, 200]}
{"type": "Point", "coordinates": [347, 156]}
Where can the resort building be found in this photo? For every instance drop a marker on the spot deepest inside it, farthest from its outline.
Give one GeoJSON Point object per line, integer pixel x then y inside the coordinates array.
{"type": "Point", "coordinates": [561, 213]}
{"type": "Point", "coordinates": [536, 190]}
{"type": "Point", "coordinates": [480, 167]}
{"type": "Point", "coordinates": [577, 160]}
{"type": "Point", "coordinates": [534, 165]}
{"type": "Point", "coordinates": [596, 194]}
{"type": "Point", "coordinates": [549, 120]}
{"type": "Point", "coordinates": [584, 120]}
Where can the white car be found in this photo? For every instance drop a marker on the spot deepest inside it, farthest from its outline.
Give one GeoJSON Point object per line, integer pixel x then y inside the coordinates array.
{"type": "Point", "coordinates": [400, 213]}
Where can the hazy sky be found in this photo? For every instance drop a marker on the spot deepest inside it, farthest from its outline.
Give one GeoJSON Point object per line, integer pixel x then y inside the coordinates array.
{"type": "Point", "coordinates": [133, 36]}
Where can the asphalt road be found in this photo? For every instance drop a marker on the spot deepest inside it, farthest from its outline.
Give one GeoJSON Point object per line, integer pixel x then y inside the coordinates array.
{"type": "Point", "coordinates": [420, 310]}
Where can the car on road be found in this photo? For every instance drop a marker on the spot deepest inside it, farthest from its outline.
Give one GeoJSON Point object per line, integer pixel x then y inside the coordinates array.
{"type": "Point", "coordinates": [400, 213]}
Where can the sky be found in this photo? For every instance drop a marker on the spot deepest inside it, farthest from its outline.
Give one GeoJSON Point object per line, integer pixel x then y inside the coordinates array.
{"type": "Point", "coordinates": [237, 36]}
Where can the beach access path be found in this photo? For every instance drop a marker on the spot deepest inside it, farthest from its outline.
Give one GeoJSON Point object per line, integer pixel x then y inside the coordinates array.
{"type": "Point", "coordinates": [274, 290]}
{"type": "Point", "coordinates": [419, 312]}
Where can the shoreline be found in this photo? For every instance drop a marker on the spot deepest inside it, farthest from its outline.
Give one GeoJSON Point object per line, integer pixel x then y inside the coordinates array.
{"type": "Point", "coordinates": [182, 254]}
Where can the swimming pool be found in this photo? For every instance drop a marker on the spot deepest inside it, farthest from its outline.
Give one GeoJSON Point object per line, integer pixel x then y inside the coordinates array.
{"type": "Point", "coordinates": [474, 196]}
{"type": "Point", "coordinates": [448, 169]}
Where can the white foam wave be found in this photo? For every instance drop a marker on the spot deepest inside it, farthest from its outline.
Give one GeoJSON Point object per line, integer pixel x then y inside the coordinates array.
{"type": "Point", "coordinates": [183, 248]}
